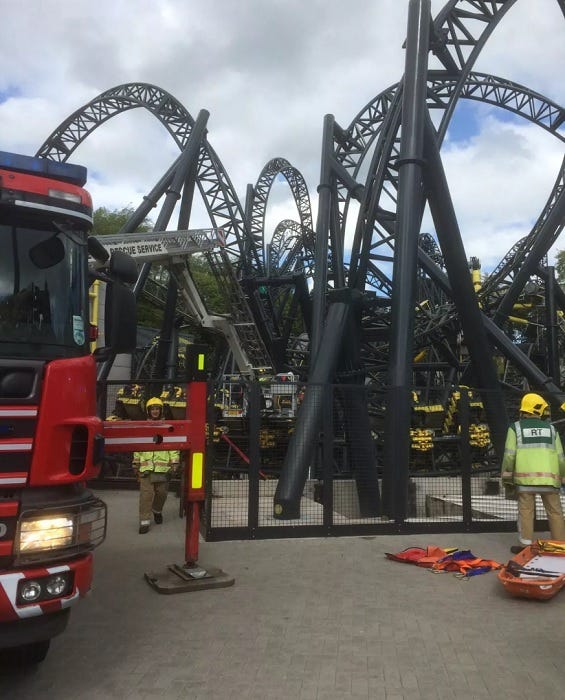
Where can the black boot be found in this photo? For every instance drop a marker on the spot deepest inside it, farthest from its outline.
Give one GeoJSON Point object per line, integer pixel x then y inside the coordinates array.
{"type": "Point", "coordinates": [517, 548]}
{"type": "Point", "coordinates": [143, 529]}
{"type": "Point", "coordinates": [158, 518]}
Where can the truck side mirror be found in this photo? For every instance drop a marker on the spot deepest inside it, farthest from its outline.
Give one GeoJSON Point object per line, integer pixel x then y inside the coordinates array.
{"type": "Point", "coordinates": [120, 329]}
{"type": "Point", "coordinates": [123, 267]}
{"type": "Point", "coordinates": [97, 250]}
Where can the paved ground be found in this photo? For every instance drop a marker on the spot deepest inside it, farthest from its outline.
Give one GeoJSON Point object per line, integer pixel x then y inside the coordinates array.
{"type": "Point", "coordinates": [324, 619]}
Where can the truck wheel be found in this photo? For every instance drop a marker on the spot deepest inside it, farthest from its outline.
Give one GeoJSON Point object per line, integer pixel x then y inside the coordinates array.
{"type": "Point", "coordinates": [29, 654]}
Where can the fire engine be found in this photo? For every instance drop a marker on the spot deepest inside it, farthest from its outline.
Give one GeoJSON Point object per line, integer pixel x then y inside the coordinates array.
{"type": "Point", "coordinates": [51, 440]}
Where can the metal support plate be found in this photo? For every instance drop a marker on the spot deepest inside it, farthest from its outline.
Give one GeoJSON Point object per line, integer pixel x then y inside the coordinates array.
{"type": "Point", "coordinates": [181, 578]}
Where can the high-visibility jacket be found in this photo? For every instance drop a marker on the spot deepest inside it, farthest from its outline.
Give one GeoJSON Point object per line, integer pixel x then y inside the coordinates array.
{"type": "Point", "coordinates": [160, 462]}
{"type": "Point", "coordinates": [533, 454]}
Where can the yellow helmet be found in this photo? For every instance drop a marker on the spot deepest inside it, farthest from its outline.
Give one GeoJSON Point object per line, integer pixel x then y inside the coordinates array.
{"type": "Point", "coordinates": [533, 404]}
{"type": "Point", "coordinates": [154, 401]}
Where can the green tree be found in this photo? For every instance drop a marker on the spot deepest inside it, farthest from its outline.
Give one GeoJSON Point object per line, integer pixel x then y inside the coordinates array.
{"type": "Point", "coordinates": [111, 221]}
{"type": "Point", "coordinates": [560, 266]}
{"type": "Point", "coordinates": [207, 285]}
{"type": "Point", "coordinates": [108, 222]}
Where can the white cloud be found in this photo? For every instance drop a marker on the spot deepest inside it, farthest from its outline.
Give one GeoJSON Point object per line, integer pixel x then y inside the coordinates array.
{"type": "Point", "coordinates": [268, 72]}
{"type": "Point", "coordinates": [499, 182]}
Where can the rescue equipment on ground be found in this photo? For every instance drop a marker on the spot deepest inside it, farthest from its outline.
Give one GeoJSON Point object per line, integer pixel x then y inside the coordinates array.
{"type": "Point", "coordinates": [421, 556]}
{"type": "Point", "coordinates": [537, 572]}
{"type": "Point", "coordinates": [462, 563]}
{"type": "Point", "coordinates": [555, 547]}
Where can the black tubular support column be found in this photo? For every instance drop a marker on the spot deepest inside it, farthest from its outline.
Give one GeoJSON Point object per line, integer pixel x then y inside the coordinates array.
{"type": "Point", "coordinates": [410, 208]}
{"type": "Point", "coordinates": [254, 398]}
{"type": "Point", "coordinates": [322, 235]}
{"type": "Point", "coordinates": [169, 333]}
{"type": "Point", "coordinates": [465, 455]}
{"type": "Point", "coordinates": [304, 440]}
{"type": "Point", "coordinates": [462, 290]}
{"type": "Point", "coordinates": [559, 293]}
{"type": "Point", "coordinates": [327, 457]}
{"type": "Point", "coordinates": [165, 344]}
{"type": "Point", "coordinates": [150, 200]}
{"type": "Point", "coordinates": [190, 183]}
{"type": "Point", "coordinates": [361, 449]}
{"type": "Point", "coordinates": [352, 393]}
{"type": "Point", "coordinates": [171, 183]}
{"type": "Point", "coordinates": [551, 327]}
{"type": "Point", "coordinates": [134, 221]}
{"type": "Point", "coordinates": [248, 214]}
{"type": "Point", "coordinates": [185, 163]}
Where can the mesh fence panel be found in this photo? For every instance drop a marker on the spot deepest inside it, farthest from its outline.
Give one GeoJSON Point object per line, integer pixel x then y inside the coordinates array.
{"type": "Point", "coordinates": [453, 468]}
{"type": "Point", "coordinates": [336, 458]}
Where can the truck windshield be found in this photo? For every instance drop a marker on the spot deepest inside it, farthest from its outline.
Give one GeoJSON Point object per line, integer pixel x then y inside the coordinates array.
{"type": "Point", "coordinates": [43, 289]}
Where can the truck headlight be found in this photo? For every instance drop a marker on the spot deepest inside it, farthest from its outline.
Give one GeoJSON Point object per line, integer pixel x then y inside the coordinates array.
{"type": "Point", "coordinates": [46, 537]}
{"type": "Point", "coordinates": [45, 534]}
{"type": "Point", "coordinates": [40, 589]}
{"type": "Point", "coordinates": [30, 591]}
{"type": "Point", "coordinates": [57, 585]}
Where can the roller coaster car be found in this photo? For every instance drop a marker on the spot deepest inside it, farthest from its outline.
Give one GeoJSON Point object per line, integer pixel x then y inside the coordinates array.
{"type": "Point", "coordinates": [431, 416]}
{"type": "Point", "coordinates": [130, 403]}
{"type": "Point", "coordinates": [174, 400]}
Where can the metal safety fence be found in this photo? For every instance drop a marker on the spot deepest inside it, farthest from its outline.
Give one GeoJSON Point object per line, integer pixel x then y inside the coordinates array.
{"type": "Point", "coordinates": [336, 461]}
{"type": "Point", "coordinates": [453, 482]}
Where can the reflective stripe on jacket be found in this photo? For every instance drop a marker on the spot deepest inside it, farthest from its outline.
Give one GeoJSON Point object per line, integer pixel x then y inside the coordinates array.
{"type": "Point", "coordinates": [159, 462]}
{"type": "Point", "coordinates": [533, 454]}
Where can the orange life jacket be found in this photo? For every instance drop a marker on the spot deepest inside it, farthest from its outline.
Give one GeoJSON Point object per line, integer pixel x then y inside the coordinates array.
{"type": "Point", "coordinates": [466, 564]}
{"type": "Point", "coordinates": [421, 556]}
{"type": "Point", "coordinates": [461, 562]}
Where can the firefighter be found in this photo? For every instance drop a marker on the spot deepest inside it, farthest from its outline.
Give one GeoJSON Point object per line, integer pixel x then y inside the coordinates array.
{"type": "Point", "coordinates": [534, 463]}
{"type": "Point", "coordinates": [154, 470]}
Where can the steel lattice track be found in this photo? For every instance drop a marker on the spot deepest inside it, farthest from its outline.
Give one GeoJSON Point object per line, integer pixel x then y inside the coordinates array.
{"type": "Point", "coordinates": [459, 33]}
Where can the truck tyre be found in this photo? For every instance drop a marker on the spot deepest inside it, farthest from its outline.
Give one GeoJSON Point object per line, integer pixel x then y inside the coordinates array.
{"type": "Point", "coordinates": [28, 654]}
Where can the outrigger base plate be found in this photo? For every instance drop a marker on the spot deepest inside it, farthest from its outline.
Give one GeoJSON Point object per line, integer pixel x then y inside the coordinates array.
{"type": "Point", "coordinates": [183, 578]}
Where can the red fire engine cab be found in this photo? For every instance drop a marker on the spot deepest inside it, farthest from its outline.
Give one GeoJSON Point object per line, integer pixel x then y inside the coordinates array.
{"type": "Point", "coordinates": [51, 440]}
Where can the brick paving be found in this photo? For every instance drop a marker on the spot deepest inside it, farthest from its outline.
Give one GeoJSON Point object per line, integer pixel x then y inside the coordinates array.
{"type": "Point", "coordinates": [307, 619]}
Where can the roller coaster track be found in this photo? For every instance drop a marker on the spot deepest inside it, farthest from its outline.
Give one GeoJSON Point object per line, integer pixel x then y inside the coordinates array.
{"type": "Point", "coordinates": [397, 129]}
{"type": "Point", "coordinates": [291, 249]}
{"type": "Point", "coordinates": [371, 260]}
{"type": "Point", "coordinates": [502, 276]}
{"type": "Point", "coordinates": [213, 182]}
{"type": "Point", "coordinates": [243, 246]}
{"type": "Point", "coordinates": [218, 194]}
{"type": "Point", "coordinates": [260, 193]}
{"type": "Point", "coordinates": [357, 142]}
{"type": "Point", "coordinates": [368, 126]}
{"type": "Point", "coordinates": [458, 34]}
{"type": "Point", "coordinates": [367, 157]}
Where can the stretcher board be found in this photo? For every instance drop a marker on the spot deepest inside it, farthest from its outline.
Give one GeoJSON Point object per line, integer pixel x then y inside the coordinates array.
{"type": "Point", "coordinates": [531, 574]}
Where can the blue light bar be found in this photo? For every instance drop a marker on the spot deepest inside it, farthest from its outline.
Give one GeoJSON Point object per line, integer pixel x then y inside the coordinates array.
{"type": "Point", "coordinates": [68, 172]}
